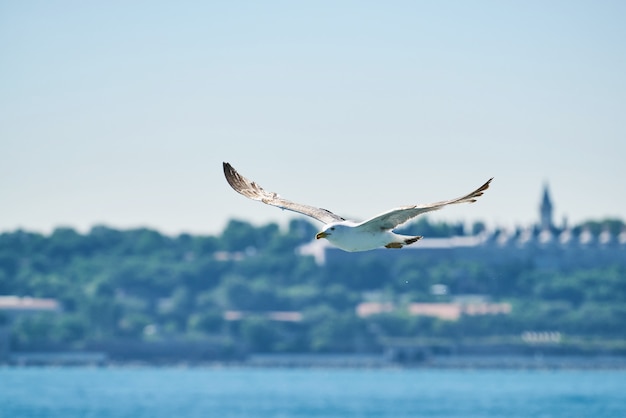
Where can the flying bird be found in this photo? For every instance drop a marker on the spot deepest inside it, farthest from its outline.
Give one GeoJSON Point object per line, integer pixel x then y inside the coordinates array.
{"type": "Point", "coordinates": [346, 234]}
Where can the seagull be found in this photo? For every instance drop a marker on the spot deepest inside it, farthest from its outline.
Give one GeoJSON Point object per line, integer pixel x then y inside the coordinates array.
{"type": "Point", "coordinates": [349, 235]}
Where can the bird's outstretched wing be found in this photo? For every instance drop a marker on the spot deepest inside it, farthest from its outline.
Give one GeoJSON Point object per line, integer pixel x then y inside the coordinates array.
{"type": "Point", "coordinates": [253, 191]}
{"type": "Point", "coordinates": [394, 217]}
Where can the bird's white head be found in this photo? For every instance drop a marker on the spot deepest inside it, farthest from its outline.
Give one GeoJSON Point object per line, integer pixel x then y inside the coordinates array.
{"type": "Point", "coordinates": [325, 233]}
{"type": "Point", "coordinates": [335, 229]}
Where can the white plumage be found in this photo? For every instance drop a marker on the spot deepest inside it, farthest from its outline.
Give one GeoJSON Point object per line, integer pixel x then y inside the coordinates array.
{"type": "Point", "coordinates": [349, 235]}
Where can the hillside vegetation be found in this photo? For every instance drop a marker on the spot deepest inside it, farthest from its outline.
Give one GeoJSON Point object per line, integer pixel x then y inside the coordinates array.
{"type": "Point", "coordinates": [139, 285]}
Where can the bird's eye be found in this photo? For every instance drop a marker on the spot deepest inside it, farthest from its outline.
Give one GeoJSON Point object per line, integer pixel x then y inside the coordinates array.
{"type": "Point", "coordinates": [332, 229]}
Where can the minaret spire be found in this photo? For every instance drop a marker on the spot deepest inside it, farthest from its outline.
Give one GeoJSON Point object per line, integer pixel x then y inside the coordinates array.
{"type": "Point", "coordinates": [545, 209]}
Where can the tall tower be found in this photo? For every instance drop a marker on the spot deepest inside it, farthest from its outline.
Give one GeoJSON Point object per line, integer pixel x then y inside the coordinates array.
{"type": "Point", "coordinates": [545, 210]}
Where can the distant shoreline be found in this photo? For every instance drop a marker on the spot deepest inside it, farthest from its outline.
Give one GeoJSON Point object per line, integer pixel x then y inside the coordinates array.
{"type": "Point", "coordinates": [339, 361]}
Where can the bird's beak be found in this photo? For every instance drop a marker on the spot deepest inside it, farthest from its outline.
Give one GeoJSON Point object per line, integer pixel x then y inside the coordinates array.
{"type": "Point", "coordinates": [321, 235]}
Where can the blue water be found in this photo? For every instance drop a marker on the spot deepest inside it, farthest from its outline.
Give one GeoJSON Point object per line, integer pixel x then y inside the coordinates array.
{"type": "Point", "coordinates": [304, 393]}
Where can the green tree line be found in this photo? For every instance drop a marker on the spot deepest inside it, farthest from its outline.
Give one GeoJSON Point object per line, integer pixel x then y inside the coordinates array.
{"type": "Point", "coordinates": [141, 285]}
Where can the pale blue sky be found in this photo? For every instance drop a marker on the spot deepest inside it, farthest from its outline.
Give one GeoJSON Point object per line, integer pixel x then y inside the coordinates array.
{"type": "Point", "coordinates": [121, 113]}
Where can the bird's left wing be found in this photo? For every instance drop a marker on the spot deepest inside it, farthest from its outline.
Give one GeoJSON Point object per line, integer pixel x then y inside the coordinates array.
{"type": "Point", "coordinates": [253, 191]}
{"type": "Point", "coordinates": [398, 216]}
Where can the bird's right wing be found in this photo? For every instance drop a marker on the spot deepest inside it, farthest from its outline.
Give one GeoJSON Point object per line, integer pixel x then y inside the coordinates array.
{"type": "Point", "coordinates": [253, 191]}
{"type": "Point", "coordinates": [398, 216]}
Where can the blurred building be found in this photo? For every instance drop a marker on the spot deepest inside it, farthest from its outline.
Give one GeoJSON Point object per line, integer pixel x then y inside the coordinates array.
{"type": "Point", "coordinates": [448, 311]}
{"type": "Point", "coordinates": [10, 306]}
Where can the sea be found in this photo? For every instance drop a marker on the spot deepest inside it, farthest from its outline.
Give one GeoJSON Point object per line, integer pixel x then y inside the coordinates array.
{"type": "Point", "coordinates": [217, 392]}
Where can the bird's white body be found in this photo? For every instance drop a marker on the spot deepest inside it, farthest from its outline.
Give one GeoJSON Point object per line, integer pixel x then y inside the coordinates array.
{"type": "Point", "coordinates": [352, 236]}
